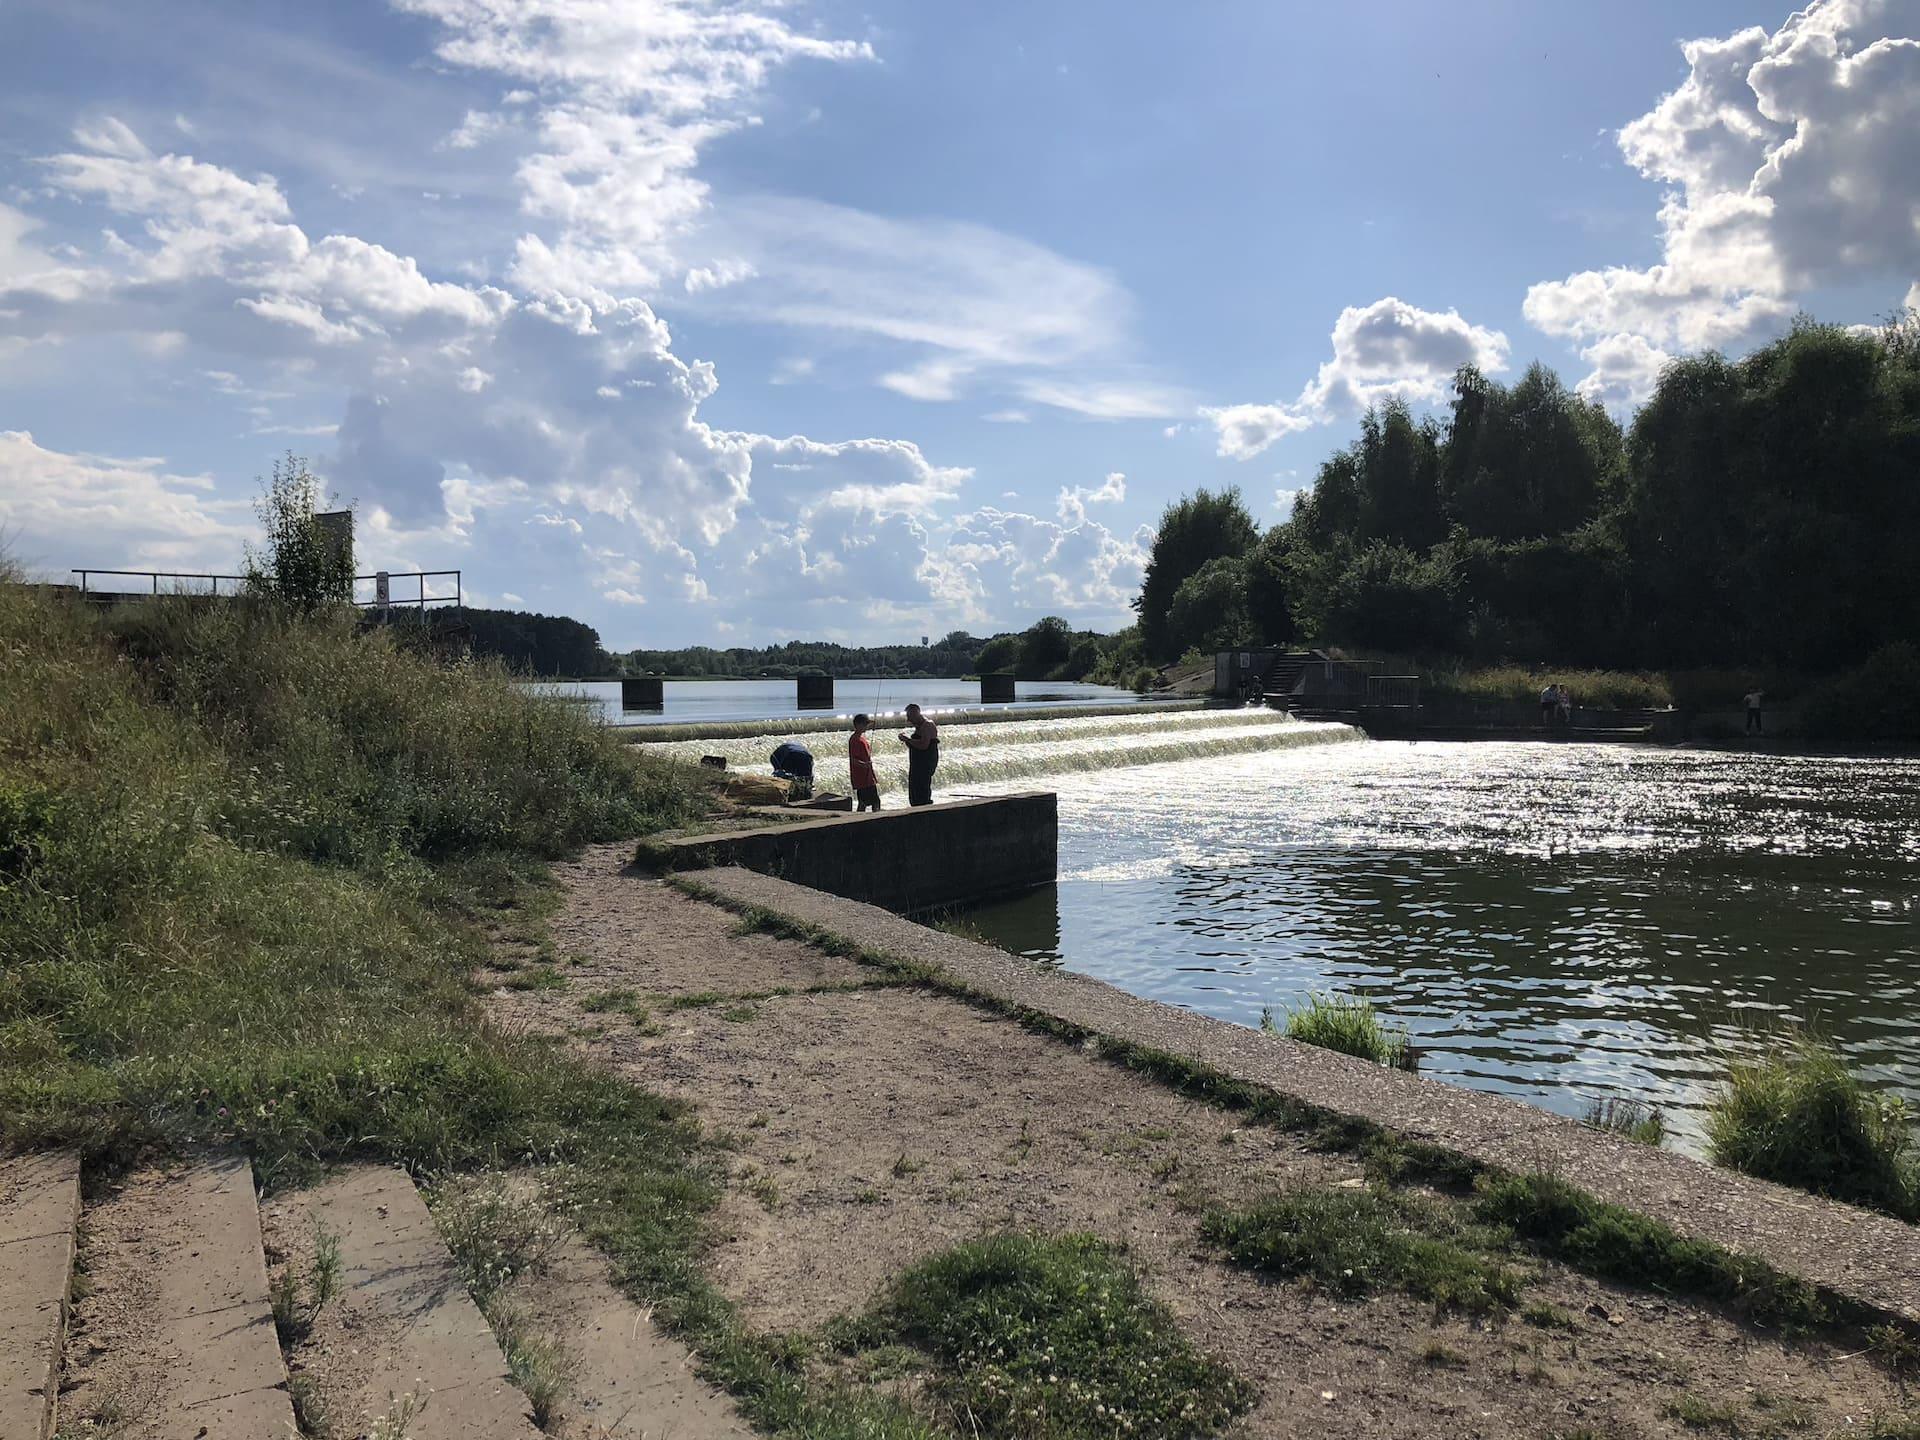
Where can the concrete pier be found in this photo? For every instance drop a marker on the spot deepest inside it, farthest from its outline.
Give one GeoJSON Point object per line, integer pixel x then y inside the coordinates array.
{"type": "Point", "coordinates": [911, 862]}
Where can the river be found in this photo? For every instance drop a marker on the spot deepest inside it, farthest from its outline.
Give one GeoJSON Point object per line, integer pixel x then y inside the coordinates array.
{"type": "Point", "coordinates": [1557, 922]}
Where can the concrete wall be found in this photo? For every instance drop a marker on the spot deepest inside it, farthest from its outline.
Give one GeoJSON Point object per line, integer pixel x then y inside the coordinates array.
{"type": "Point", "coordinates": [908, 861]}
{"type": "Point", "coordinates": [1466, 713]}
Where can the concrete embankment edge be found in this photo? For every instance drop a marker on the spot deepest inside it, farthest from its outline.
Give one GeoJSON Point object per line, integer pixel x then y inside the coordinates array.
{"type": "Point", "coordinates": [39, 1208]}
{"type": "Point", "coordinates": [1868, 1260]}
{"type": "Point", "coordinates": [913, 862]}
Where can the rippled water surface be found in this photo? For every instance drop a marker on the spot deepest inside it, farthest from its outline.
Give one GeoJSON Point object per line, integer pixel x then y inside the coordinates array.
{"type": "Point", "coordinates": [1558, 922]}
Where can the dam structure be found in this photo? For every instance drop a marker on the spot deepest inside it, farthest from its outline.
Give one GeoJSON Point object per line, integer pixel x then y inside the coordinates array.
{"type": "Point", "coordinates": [1000, 752]}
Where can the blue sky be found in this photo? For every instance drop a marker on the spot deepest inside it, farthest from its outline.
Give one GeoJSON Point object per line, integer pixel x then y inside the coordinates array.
{"type": "Point", "coordinates": [740, 322]}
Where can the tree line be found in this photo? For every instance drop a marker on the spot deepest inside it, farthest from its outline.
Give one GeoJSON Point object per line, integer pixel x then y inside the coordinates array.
{"type": "Point", "coordinates": [1049, 649]}
{"type": "Point", "coordinates": [1762, 511]}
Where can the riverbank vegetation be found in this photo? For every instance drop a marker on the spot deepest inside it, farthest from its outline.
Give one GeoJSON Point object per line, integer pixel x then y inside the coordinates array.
{"type": "Point", "coordinates": [1793, 1113]}
{"type": "Point", "coordinates": [1756, 516]}
{"type": "Point", "coordinates": [1048, 649]}
{"type": "Point", "coordinates": [1049, 1338]}
{"type": "Point", "coordinates": [1348, 1024]}
{"type": "Point", "coordinates": [1352, 1243]}
{"type": "Point", "coordinates": [249, 861]}
{"type": "Point", "coordinates": [236, 844]}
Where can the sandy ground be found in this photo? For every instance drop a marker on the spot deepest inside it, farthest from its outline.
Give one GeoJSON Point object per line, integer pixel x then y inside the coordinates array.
{"type": "Point", "coordinates": [876, 1126]}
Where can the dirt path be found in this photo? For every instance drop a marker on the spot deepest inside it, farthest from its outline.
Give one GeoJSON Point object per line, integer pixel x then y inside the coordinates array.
{"type": "Point", "coordinates": [876, 1126]}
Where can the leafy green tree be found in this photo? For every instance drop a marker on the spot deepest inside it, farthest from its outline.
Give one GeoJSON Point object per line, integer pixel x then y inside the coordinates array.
{"type": "Point", "coordinates": [1269, 583]}
{"type": "Point", "coordinates": [1197, 528]}
{"type": "Point", "coordinates": [302, 563]}
{"type": "Point", "coordinates": [1121, 657]}
{"type": "Point", "coordinates": [1387, 597]}
{"type": "Point", "coordinates": [539, 644]}
{"type": "Point", "coordinates": [1083, 660]}
{"type": "Point", "coordinates": [1044, 647]}
{"type": "Point", "coordinates": [1528, 461]}
{"type": "Point", "coordinates": [1398, 463]}
{"type": "Point", "coordinates": [1772, 513]}
{"type": "Point", "coordinates": [1210, 608]}
{"type": "Point", "coordinates": [998, 655]}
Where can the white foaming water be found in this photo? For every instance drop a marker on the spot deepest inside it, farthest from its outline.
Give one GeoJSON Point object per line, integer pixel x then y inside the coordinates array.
{"type": "Point", "coordinates": [992, 754]}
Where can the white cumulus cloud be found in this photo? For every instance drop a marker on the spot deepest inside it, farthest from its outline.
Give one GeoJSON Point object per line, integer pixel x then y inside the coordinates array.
{"type": "Point", "coordinates": [1792, 159]}
{"type": "Point", "coordinates": [1389, 348]}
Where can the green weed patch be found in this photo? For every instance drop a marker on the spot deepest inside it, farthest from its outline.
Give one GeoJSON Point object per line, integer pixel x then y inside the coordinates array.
{"type": "Point", "coordinates": [1796, 1115]}
{"type": "Point", "coordinates": [1356, 1242]}
{"type": "Point", "coordinates": [1050, 1338]}
{"type": "Point", "coordinates": [1615, 1244]}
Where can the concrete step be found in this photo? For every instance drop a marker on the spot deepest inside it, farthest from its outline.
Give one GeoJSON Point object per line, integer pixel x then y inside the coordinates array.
{"type": "Point", "coordinates": [175, 1340]}
{"type": "Point", "coordinates": [626, 1380]}
{"type": "Point", "coordinates": [39, 1209]}
{"type": "Point", "coordinates": [420, 1334]}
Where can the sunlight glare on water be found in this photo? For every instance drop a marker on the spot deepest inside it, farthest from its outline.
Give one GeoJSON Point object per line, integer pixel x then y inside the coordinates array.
{"type": "Point", "coordinates": [1556, 922]}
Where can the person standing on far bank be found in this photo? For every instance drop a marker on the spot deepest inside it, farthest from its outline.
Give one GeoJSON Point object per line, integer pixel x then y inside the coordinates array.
{"type": "Point", "coordinates": [866, 784]}
{"type": "Point", "coordinates": [1754, 726]}
{"type": "Point", "coordinates": [923, 756]}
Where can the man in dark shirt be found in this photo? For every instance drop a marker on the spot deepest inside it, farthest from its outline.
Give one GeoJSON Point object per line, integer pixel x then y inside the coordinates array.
{"type": "Point", "coordinates": [923, 756]}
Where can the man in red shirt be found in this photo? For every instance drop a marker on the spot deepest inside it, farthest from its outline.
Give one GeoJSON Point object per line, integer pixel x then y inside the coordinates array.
{"type": "Point", "coordinates": [866, 785]}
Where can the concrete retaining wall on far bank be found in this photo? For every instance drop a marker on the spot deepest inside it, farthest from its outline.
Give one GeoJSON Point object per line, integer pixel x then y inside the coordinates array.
{"type": "Point", "coordinates": [912, 862]}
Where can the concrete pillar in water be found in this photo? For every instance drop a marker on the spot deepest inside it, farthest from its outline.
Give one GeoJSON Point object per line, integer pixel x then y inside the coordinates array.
{"type": "Point", "coordinates": [813, 692]}
{"type": "Point", "coordinates": [996, 689]}
{"type": "Point", "coordinates": [642, 692]}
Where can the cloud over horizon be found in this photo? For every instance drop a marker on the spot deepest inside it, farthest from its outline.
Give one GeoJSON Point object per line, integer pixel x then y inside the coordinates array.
{"type": "Point", "coordinates": [1791, 158]}
{"type": "Point", "coordinates": [1380, 351]}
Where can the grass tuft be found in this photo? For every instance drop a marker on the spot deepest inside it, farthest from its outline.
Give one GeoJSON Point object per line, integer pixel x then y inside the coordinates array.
{"type": "Point", "coordinates": [1629, 1119]}
{"type": "Point", "coordinates": [295, 1300]}
{"type": "Point", "coordinates": [1050, 1338]}
{"type": "Point", "coordinates": [1796, 1115]}
{"type": "Point", "coordinates": [1697, 1414]}
{"type": "Point", "coordinates": [1355, 1242]}
{"type": "Point", "coordinates": [1615, 1244]}
{"type": "Point", "coordinates": [1348, 1025]}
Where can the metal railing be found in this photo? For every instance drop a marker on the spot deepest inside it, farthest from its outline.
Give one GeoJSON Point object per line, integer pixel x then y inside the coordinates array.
{"type": "Point", "coordinates": [421, 599]}
{"type": "Point", "coordinates": [1393, 691]}
{"type": "Point", "coordinates": [153, 577]}
{"type": "Point", "coordinates": [179, 582]}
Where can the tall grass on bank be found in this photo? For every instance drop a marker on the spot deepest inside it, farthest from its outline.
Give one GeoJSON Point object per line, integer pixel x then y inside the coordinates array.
{"type": "Point", "coordinates": [1347, 1024]}
{"type": "Point", "coordinates": [1629, 1119]}
{"type": "Point", "coordinates": [1795, 1114]}
{"type": "Point", "coordinates": [362, 747]}
{"type": "Point", "coordinates": [1604, 689]}
{"type": "Point", "coordinates": [217, 911]}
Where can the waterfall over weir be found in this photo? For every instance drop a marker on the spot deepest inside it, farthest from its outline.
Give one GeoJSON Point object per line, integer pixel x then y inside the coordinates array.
{"type": "Point", "coordinates": [1015, 750]}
